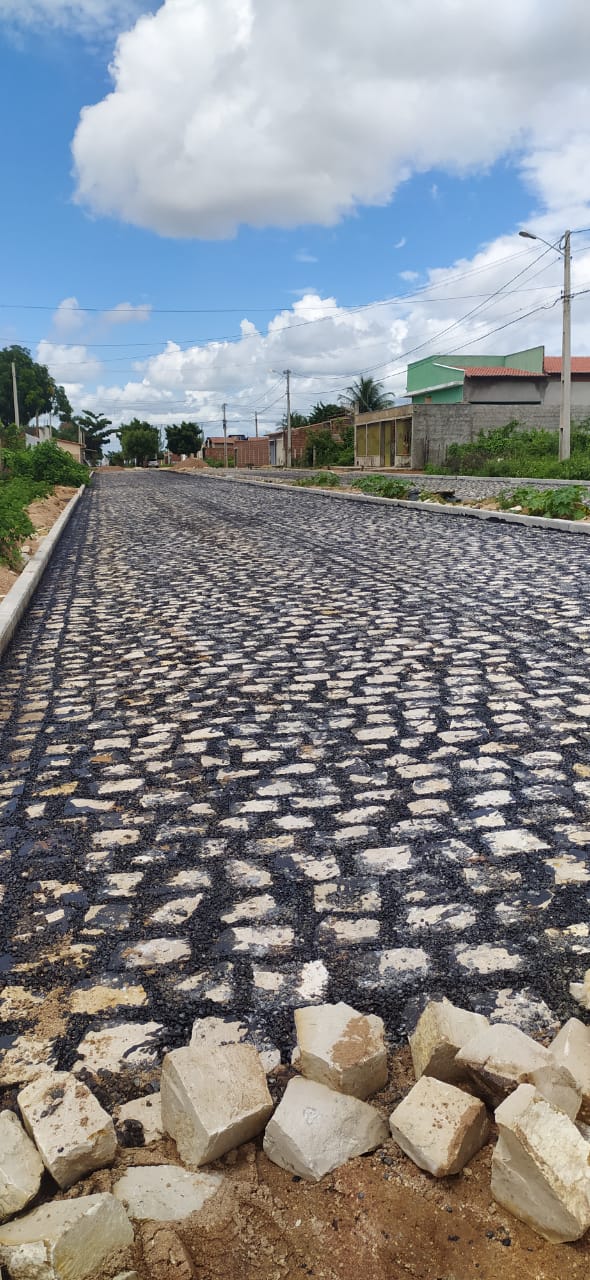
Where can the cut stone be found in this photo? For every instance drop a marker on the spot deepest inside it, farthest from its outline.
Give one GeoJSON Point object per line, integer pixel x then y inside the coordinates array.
{"type": "Point", "coordinates": [315, 1130]}
{"type": "Point", "coordinates": [21, 1166]}
{"type": "Point", "coordinates": [500, 1058]}
{"type": "Point", "coordinates": [65, 1240]}
{"type": "Point", "coordinates": [145, 1111]}
{"type": "Point", "coordinates": [213, 1033]}
{"type": "Point", "coordinates": [213, 1100]}
{"type": "Point", "coordinates": [341, 1048]}
{"type": "Point", "coordinates": [441, 1031]}
{"type": "Point", "coordinates": [571, 1049]}
{"type": "Point", "coordinates": [439, 1127]}
{"type": "Point", "coordinates": [164, 1192]}
{"type": "Point", "coordinates": [128, 1046]}
{"type": "Point", "coordinates": [541, 1167]}
{"type": "Point", "coordinates": [581, 990]}
{"type": "Point", "coordinates": [69, 1127]}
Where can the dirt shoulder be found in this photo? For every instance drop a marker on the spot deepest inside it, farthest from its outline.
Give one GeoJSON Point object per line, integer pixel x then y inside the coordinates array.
{"type": "Point", "coordinates": [43, 513]}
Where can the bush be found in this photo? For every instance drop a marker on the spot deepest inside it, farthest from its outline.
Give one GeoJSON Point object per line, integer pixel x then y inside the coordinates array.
{"type": "Point", "coordinates": [382, 486]}
{"type": "Point", "coordinates": [507, 451]}
{"type": "Point", "coordinates": [571, 503]}
{"type": "Point", "coordinates": [15, 495]}
{"type": "Point", "coordinates": [48, 463]}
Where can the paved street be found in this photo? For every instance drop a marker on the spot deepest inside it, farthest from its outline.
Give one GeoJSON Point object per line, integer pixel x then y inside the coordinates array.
{"type": "Point", "coordinates": [262, 749]}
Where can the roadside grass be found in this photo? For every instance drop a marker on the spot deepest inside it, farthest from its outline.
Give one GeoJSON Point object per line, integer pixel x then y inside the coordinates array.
{"type": "Point", "coordinates": [323, 480]}
{"type": "Point", "coordinates": [382, 486]}
{"type": "Point", "coordinates": [508, 451]}
{"type": "Point", "coordinates": [571, 503]}
{"type": "Point", "coordinates": [28, 474]}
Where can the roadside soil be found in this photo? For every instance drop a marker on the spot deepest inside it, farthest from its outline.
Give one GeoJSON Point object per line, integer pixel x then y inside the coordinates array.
{"type": "Point", "coordinates": [378, 1214]}
{"type": "Point", "coordinates": [43, 513]}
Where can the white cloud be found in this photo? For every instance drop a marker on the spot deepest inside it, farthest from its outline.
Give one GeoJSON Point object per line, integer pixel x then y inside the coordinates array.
{"type": "Point", "coordinates": [302, 255]}
{"type": "Point", "coordinates": [70, 365]}
{"type": "Point", "coordinates": [233, 111]}
{"type": "Point", "coordinates": [400, 243]}
{"type": "Point", "coordinates": [68, 318]}
{"type": "Point", "coordinates": [127, 313]}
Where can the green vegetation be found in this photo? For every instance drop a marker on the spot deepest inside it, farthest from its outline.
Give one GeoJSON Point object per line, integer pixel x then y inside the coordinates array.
{"type": "Point", "coordinates": [185, 437]}
{"type": "Point", "coordinates": [218, 462]}
{"type": "Point", "coordinates": [369, 394]}
{"type": "Point", "coordinates": [382, 486]}
{"type": "Point", "coordinates": [508, 451]}
{"type": "Point", "coordinates": [323, 480]}
{"type": "Point", "coordinates": [96, 428]}
{"type": "Point", "coordinates": [570, 503]}
{"type": "Point", "coordinates": [140, 442]}
{"type": "Point", "coordinates": [37, 391]}
{"type": "Point", "coordinates": [322, 449]}
{"type": "Point", "coordinates": [28, 474]}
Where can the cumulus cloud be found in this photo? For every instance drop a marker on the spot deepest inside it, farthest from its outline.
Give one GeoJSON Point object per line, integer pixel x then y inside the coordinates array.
{"type": "Point", "coordinates": [226, 112]}
{"type": "Point", "coordinates": [127, 313]}
{"type": "Point", "coordinates": [70, 364]}
{"type": "Point", "coordinates": [327, 345]}
{"type": "Point", "coordinates": [303, 255]}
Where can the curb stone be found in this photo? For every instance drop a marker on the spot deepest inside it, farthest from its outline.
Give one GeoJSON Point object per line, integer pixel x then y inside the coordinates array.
{"type": "Point", "coordinates": [503, 517]}
{"type": "Point", "coordinates": [16, 601]}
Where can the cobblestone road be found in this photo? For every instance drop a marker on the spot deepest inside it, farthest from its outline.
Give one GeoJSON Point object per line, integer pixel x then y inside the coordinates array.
{"type": "Point", "coordinates": [262, 749]}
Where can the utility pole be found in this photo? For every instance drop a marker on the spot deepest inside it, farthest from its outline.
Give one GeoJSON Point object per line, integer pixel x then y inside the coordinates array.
{"type": "Point", "coordinates": [15, 396]}
{"type": "Point", "coordinates": [289, 458]}
{"type": "Point", "coordinates": [224, 437]}
{"type": "Point", "coordinates": [256, 423]}
{"type": "Point", "coordinates": [566, 352]}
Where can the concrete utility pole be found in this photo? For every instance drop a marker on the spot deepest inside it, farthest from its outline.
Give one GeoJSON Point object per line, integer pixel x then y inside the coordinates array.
{"type": "Point", "coordinates": [565, 405]}
{"type": "Point", "coordinates": [289, 458]}
{"type": "Point", "coordinates": [15, 396]}
{"type": "Point", "coordinates": [566, 353]}
{"type": "Point", "coordinates": [225, 437]}
{"type": "Point", "coordinates": [256, 424]}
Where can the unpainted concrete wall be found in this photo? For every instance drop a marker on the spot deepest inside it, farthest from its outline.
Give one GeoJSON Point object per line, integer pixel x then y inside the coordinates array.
{"type": "Point", "coordinates": [435, 426]}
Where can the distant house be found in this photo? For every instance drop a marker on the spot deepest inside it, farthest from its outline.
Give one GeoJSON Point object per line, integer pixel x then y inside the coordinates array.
{"type": "Point", "coordinates": [37, 435]}
{"type": "Point", "coordinates": [525, 377]}
{"type": "Point", "coordinates": [214, 447]}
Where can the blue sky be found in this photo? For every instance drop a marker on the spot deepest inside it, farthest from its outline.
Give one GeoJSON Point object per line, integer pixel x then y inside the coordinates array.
{"type": "Point", "coordinates": [366, 227]}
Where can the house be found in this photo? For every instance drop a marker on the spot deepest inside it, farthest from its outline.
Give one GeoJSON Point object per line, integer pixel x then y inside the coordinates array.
{"type": "Point", "coordinates": [214, 447]}
{"type": "Point", "coordinates": [37, 435]}
{"type": "Point", "coordinates": [299, 440]}
{"type": "Point", "coordinates": [454, 397]}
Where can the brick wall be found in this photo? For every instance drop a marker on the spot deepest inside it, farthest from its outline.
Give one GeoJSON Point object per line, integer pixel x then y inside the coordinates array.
{"type": "Point", "coordinates": [252, 453]}
{"type": "Point", "coordinates": [436, 426]}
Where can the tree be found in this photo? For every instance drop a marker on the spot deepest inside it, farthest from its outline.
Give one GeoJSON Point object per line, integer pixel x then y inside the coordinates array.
{"type": "Point", "coordinates": [323, 412]}
{"type": "Point", "coordinates": [297, 420]}
{"type": "Point", "coordinates": [368, 394]}
{"type": "Point", "coordinates": [185, 437]}
{"type": "Point", "coordinates": [37, 390]}
{"type": "Point", "coordinates": [61, 405]}
{"type": "Point", "coordinates": [97, 430]}
{"type": "Point", "coordinates": [139, 441]}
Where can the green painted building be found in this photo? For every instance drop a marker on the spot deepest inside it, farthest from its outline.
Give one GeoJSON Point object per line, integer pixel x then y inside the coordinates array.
{"type": "Point", "coordinates": [441, 379]}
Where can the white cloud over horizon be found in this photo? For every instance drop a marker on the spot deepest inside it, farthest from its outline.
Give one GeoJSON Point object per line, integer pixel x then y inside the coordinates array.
{"type": "Point", "coordinates": [231, 112]}
{"type": "Point", "coordinates": [85, 17]}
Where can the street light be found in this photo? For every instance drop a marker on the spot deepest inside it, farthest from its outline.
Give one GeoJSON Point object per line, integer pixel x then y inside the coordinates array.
{"type": "Point", "coordinates": [563, 246]}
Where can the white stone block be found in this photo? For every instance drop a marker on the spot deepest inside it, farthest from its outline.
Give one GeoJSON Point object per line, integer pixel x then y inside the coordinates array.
{"type": "Point", "coordinates": [315, 1129]}
{"type": "Point", "coordinates": [341, 1048]}
{"type": "Point", "coordinates": [214, 1100]}
{"type": "Point", "coordinates": [21, 1166]}
{"type": "Point", "coordinates": [441, 1031]}
{"type": "Point", "coordinates": [148, 1112]}
{"type": "Point", "coordinates": [164, 1192]}
{"type": "Point", "coordinates": [69, 1127]}
{"type": "Point", "coordinates": [439, 1127]}
{"type": "Point", "coordinates": [571, 1048]}
{"type": "Point", "coordinates": [541, 1167]}
{"type": "Point", "coordinates": [500, 1058]}
{"type": "Point", "coordinates": [65, 1240]}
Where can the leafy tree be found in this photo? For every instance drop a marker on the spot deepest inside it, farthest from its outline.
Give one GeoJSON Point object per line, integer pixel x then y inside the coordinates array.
{"type": "Point", "coordinates": [139, 440]}
{"type": "Point", "coordinates": [186, 437]}
{"type": "Point", "coordinates": [116, 458]}
{"type": "Point", "coordinates": [323, 412]}
{"type": "Point", "coordinates": [368, 394]}
{"type": "Point", "coordinates": [68, 431]}
{"type": "Point", "coordinates": [325, 450]}
{"type": "Point", "coordinates": [37, 391]}
{"type": "Point", "coordinates": [297, 420]}
{"type": "Point", "coordinates": [61, 405]}
{"type": "Point", "coordinates": [97, 430]}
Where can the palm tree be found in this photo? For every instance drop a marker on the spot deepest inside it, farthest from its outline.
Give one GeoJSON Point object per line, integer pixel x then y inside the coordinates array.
{"type": "Point", "coordinates": [368, 394]}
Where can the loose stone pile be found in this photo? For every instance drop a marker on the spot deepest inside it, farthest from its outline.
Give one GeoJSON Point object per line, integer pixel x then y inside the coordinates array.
{"type": "Point", "coordinates": [215, 1096]}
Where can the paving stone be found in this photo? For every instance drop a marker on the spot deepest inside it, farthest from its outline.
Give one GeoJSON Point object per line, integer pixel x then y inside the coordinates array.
{"type": "Point", "coordinates": [164, 1192]}
{"type": "Point", "coordinates": [442, 1030]}
{"type": "Point", "coordinates": [65, 1240]}
{"type": "Point", "coordinates": [541, 1167]}
{"type": "Point", "coordinates": [21, 1166]}
{"type": "Point", "coordinates": [213, 1101]}
{"type": "Point", "coordinates": [70, 1129]}
{"type": "Point", "coordinates": [315, 1129]}
{"type": "Point", "coordinates": [342, 1048]}
{"type": "Point", "coordinates": [439, 1127]}
{"type": "Point", "coordinates": [147, 1112]}
{"type": "Point", "coordinates": [124, 1046]}
{"type": "Point", "coordinates": [500, 1057]}
{"type": "Point", "coordinates": [571, 1049]}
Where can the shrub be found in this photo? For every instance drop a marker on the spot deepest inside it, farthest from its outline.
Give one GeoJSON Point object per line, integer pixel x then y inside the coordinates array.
{"type": "Point", "coordinates": [323, 479]}
{"type": "Point", "coordinates": [570, 503]}
{"type": "Point", "coordinates": [382, 486]}
{"type": "Point", "coordinates": [48, 463]}
{"type": "Point", "coordinates": [508, 451]}
{"type": "Point", "coordinates": [15, 495]}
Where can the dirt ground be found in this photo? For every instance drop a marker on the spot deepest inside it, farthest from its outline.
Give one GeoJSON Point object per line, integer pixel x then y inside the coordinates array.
{"type": "Point", "coordinates": [378, 1214]}
{"type": "Point", "coordinates": [43, 513]}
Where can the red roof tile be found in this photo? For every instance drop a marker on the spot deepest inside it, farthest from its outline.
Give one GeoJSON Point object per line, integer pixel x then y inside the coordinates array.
{"type": "Point", "coordinates": [580, 364]}
{"type": "Point", "coordinates": [496, 371]}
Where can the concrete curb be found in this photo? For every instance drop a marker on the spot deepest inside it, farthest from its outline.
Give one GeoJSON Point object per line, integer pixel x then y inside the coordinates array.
{"type": "Point", "coordinates": [15, 602]}
{"type": "Point", "coordinates": [440, 508]}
